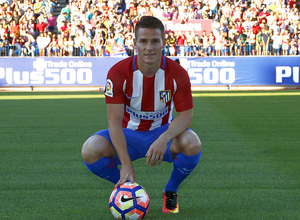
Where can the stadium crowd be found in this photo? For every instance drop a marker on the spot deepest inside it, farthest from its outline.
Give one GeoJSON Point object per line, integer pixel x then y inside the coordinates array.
{"type": "Point", "coordinates": [101, 27]}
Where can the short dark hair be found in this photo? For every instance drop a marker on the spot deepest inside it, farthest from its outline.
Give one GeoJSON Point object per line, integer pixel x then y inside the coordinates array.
{"type": "Point", "coordinates": [151, 23]}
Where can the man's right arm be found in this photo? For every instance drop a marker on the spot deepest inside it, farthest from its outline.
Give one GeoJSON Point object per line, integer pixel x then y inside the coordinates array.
{"type": "Point", "coordinates": [115, 113]}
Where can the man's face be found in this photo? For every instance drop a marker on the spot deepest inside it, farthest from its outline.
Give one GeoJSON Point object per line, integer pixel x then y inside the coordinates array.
{"type": "Point", "coordinates": [149, 43]}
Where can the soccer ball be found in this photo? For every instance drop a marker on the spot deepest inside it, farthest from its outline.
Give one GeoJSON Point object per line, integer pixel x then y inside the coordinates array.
{"type": "Point", "coordinates": [129, 201]}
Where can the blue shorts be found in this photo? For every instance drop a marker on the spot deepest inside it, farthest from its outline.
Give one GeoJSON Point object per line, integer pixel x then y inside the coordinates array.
{"type": "Point", "coordinates": [138, 142]}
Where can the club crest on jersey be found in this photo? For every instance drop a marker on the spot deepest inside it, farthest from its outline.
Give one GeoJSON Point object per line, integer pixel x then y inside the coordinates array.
{"type": "Point", "coordinates": [165, 95]}
{"type": "Point", "coordinates": [109, 88]}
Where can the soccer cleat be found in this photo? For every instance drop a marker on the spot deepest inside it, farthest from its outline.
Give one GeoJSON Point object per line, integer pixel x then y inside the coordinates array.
{"type": "Point", "coordinates": [170, 200]}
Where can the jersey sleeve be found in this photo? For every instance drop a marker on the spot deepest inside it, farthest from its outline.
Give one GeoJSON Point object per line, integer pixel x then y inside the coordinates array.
{"type": "Point", "coordinates": [183, 99]}
{"type": "Point", "coordinates": [114, 86]}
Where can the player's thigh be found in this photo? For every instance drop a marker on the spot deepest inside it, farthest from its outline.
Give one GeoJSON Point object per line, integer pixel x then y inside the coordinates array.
{"type": "Point", "coordinates": [96, 147]}
{"type": "Point", "coordinates": [187, 143]}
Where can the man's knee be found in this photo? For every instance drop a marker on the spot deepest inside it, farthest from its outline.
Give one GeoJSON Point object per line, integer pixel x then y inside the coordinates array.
{"type": "Point", "coordinates": [96, 147]}
{"type": "Point", "coordinates": [192, 143]}
{"type": "Point", "coordinates": [187, 143]}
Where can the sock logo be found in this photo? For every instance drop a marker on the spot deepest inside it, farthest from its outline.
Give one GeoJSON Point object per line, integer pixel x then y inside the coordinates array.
{"type": "Point", "coordinates": [123, 199]}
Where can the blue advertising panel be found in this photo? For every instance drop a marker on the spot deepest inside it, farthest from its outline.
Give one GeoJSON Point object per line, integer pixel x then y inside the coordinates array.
{"type": "Point", "coordinates": [243, 70]}
{"type": "Point", "coordinates": [203, 71]}
{"type": "Point", "coordinates": [55, 71]}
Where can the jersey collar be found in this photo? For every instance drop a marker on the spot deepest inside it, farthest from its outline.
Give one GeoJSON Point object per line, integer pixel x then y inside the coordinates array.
{"type": "Point", "coordinates": [162, 63]}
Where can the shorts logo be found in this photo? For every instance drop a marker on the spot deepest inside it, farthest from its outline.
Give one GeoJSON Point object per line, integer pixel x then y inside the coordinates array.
{"type": "Point", "coordinates": [165, 95]}
{"type": "Point", "coordinates": [109, 88]}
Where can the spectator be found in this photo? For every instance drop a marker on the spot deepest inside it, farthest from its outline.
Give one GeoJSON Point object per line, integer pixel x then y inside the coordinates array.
{"type": "Point", "coordinates": [252, 42]}
{"type": "Point", "coordinates": [189, 43]}
{"type": "Point", "coordinates": [211, 47]}
{"type": "Point", "coordinates": [53, 48]}
{"type": "Point", "coordinates": [98, 42]}
{"type": "Point", "coordinates": [111, 40]}
{"type": "Point", "coordinates": [29, 45]}
{"type": "Point", "coordinates": [224, 46]}
{"type": "Point", "coordinates": [60, 21]}
{"type": "Point", "coordinates": [77, 45]}
{"type": "Point", "coordinates": [28, 14]}
{"type": "Point", "coordinates": [277, 43]}
{"type": "Point", "coordinates": [205, 42]}
{"type": "Point", "coordinates": [231, 29]}
{"type": "Point", "coordinates": [242, 43]}
{"type": "Point", "coordinates": [239, 27]}
{"type": "Point", "coordinates": [148, 12]}
{"type": "Point", "coordinates": [120, 41]}
{"type": "Point", "coordinates": [80, 28]}
{"type": "Point", "coordinates": [271, 18]}
{"type": "Point", "coordinates": [14, 28]}
{"type": "Point", "coordinates": [64, 46]}
{"type": "Point", "coordinates": [218, 39]}
{"type": "Point", "coordinates": [227, 10]}
{"type": "Point", "coordinates": [66, 11]}
{"type": "Point", "coordinates": [197, 44]}
{"type": "Point", "coordinates": [132, 11]}
{"type": "Point", "coordinates": [31, 26]}
{"type": "Point", "coordinates": [3, 31]}
{"type": "Point", "coordinates": [167, 15]}
{"type": "Point", "coordinates": [198, 12]}
{"type": "Point", "coordinates": [158, 12]}
{"type": "Point", "coordinates": [172, 42]}
{"type": "Point", "coordinates": [40, 27]}
{"type": "Point", "coordinates": [70, 46]}
{"type": "Point", "coordinates": [43, 40]}
{"type": "Point", "coordinates": [293, 47]}
{"type": "Point", "coordinates": [259, 43]}
{"type": "Point", "coordinates": [181, 41]}
{"type": "Point", "coordinates": [263, 15]}
{"type": "Point", "coordinates": [119, 7]}
{"type": "Point", "coordinates": [248, 24]}
{"type": "Point", "coordinates": [73, 29]}
{"type": "Point", "coordinates": [65, 29]}
{"type": "Point", "coordinates": [256, 27]}
{"type": "Point", "coordinates": [231, 44]}
{"type": "Point", "coordinates": [86, 45]}
{"type": "Point", "coordinates": [51, 23]}
{"type": "Point", "coordinates": [275, 28]}
{"type": "Point", "coordinates": [265, 41]}
{"type": "Point", "coordinates": [274, 7]}
{"type": "Point", "coordinates": [49, 4]}
{"type": "Point", "coordinates": [16, 16]}
{"type": "Point", "coordinates": [224, 28]}
{"type": "Point", "coordinates": [215, 26]}
{"type": "Point", "coordinates": [37, 7]}
{"type": "Point", "coordinates": [213, 8]}
{"type": "Point", "coordinates": [4, 43]}
{"type": "Point", "coordinates": [285, 42]}
{"type": "Point", "coordinates": [60, 44]}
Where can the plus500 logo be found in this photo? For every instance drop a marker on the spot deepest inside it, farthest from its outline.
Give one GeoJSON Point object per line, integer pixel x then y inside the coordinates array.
{"type": "Point", "coordinates": [52, 76]}
{"type": "Point", "coordinates": [286, 72]}
{"type": "Point", "coordinates": [212, 75]}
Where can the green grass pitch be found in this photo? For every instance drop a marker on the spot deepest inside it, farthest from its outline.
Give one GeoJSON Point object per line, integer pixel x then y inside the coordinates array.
{"type": "Point", "coordinates": [250, 166]}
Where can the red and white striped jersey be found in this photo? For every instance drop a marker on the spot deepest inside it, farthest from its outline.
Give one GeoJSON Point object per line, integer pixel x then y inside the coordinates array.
{"type": "Point", "coordinates": [148, 102]}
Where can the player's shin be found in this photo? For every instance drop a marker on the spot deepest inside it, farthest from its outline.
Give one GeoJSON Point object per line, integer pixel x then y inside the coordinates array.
{"type": "Point", "coordinates": [183, 167]}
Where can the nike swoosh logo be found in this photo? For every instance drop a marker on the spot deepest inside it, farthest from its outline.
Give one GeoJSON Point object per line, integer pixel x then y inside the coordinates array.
{"type": "Point", "coordinates": [130, 97]}
{"type": "Point", "coordinates": [123, 199]}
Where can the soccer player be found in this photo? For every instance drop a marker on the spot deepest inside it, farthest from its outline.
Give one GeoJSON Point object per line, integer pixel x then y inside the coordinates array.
{"type": "Point", "coordinates": [141, 92]}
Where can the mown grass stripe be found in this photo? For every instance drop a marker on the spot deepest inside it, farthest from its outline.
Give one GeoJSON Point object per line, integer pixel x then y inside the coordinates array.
{"type": "Point", "coordinates": [195, 94]}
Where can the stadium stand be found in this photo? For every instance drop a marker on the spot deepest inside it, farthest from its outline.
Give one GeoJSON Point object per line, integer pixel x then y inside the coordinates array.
{"type": "Point", "coordinates": [105, 27]}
